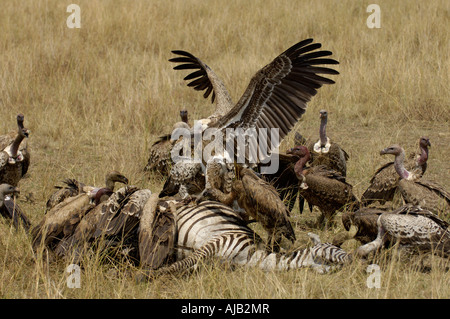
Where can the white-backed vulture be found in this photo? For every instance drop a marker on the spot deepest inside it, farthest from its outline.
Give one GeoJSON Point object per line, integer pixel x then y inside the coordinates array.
{"type": "Point", "coordinates": [14, 155]}
{"type": "Point", "coordinates": [322, 187]}
{"type": "Point", "coordinates": [384, 182]}
{"type": "Point", "coordinates": [275, 98]}
{"type": "Point", "coordinates": [9, 208]}
{"type": "Point", "coordinates": [416, 190]}
{"type": "Point", "coordinates": [414, 229]}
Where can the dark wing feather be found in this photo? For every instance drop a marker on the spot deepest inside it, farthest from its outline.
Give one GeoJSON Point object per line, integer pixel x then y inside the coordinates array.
{"type": "Point", "coordinates": [121, 213]}
{"type": "Point", "coordinates": [203, 78]}
{"type": "Point", "coordinates": [16, 214]}
{"type": "Point", "coordinates": [282, 87]}
{"type": "Point", "coordinates": [157, 232]}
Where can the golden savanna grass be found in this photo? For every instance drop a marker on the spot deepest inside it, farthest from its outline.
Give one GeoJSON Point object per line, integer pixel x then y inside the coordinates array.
{"type": "Point", "coordinates": [95, 98]}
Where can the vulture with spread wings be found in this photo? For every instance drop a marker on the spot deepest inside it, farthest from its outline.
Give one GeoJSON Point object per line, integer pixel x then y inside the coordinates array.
{"type": "Point", "coordinates": [275, 98]}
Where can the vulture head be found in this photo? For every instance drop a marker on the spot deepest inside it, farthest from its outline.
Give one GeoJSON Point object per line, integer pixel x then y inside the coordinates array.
{"type": "Point", "coordinates": [393, 150]}
{"type": "Point", "coordinates": [113, 177]}
{"type": "Point", "coordinates": [424, 142]}
{"type": "Point", "coordinates": [6, 189]}
{"type": "Point", "coordinates": [184, 116]}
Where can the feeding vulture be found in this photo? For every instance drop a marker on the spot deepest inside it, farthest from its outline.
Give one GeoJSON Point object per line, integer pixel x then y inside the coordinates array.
{"type": "Point", "coordinates": [275, 98]}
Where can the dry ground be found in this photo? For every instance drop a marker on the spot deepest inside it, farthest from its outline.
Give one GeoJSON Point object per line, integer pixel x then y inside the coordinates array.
{"type": "Point", "coordinates": [95, 98]}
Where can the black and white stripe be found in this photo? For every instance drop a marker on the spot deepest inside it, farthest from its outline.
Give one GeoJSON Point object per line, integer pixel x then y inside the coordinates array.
{"type": "Point", "coordinates": [212, 229]}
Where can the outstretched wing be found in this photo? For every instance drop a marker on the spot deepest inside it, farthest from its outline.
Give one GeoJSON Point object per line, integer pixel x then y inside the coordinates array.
{"type": "Point", "coordinates": [203, 79]}
{"type": "Point", "coordinates": [277, 95]}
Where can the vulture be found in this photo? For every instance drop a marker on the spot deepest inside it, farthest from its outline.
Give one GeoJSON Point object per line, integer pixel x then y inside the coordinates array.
{"type": "Point", "coordinates": [414, 189]}
{"type": "Point", "coordinates": [365, 220]}
{"type": "Point", "coordinates": [113, 218]}
{"type": "Point", "coordinates": [275, 98]}
{"type": "Point", "coordinates": [284, 179]}
{"type": "Point", "coordinates": [14, 157]}
{"type": "Point", "coordinates": [262, 202]}
{"type": "Point", "coordinates": [9, 208]}
{"type": "Point", "coordinates": [414, 229]}
{"type": "Point", "coordinates": [322, 187]}
{"type": "Point", "coordinates": [68, 209]}
{"type": "Point", "coordinates": [384, 182]}
{"type": "Point", "coordinates": [326, 152]}
{"type": "Point", "coordinates": [256, 197]}
{"type": "Point", "coordinates": [160, 152]}
{"type": "Point", "coordinates": [157, 232]}
{"type": "Point", "coordinates": [73, 188]}
{"type": "Point", "coordinates": [60, 221]}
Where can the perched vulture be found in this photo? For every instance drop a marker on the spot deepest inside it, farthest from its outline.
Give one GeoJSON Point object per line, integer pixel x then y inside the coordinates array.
{"type": "Point", "coordinates": [414, 189]}
{"type": "Point", "coordinates": [323, 187]}
{"type": "Point", "coordinates": [325, 151]}
{"type": "Point", "coordinates": [414, 229]}
{"type": "Point", "coordinates": [160, 152]}
{"type": "Point", "coordinates": [14, 155]}
{"type": "Point", "coordinates": [275, 98]}
{"type": "Point", "coordinates": [384, 182]}
{"type": "Point", "coordinates": [9, 208]}
{"type": "Point", "coordinates": [73, 188]}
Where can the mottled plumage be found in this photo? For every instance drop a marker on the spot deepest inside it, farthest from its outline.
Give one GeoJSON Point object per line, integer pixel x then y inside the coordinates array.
{"type": "Point", "coordinates": [384, 182]}
{"type": "Point", "coordinates": [160, 159]}
{"type": "Point", "coordinates": [414, 229]}
{"type": "Point", "coordinates": [14, 155]}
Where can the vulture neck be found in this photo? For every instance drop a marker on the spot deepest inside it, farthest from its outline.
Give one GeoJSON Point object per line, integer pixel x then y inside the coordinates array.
{"type": "Point", "coordinates": [422, 159]}
{"type": "Point", "coordinates": [323, 132]}
{"type": "Point", "coordinates": [15, 145]}
{"type": "Point", "coordinates": [298, 168]}
{"type": "Point", "coordinates": [400, 167]}
{"type": "Point", "coordinates": [110, 183]}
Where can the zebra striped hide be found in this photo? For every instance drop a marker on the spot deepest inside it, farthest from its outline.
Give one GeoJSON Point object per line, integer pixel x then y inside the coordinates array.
{"type": "Point", "coordinates": [212, 229]}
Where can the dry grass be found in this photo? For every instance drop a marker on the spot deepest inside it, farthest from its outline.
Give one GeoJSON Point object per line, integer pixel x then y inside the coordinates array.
{"type": "Point", "coordinates": [96, 97]}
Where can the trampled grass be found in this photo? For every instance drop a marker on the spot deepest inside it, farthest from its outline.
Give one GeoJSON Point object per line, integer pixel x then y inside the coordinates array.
{"type": "Point", "coordinates": [95, 98]}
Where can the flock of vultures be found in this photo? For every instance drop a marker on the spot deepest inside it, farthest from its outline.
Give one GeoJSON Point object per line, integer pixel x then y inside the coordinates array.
{"type": "Point", "coordinates": [207, 207]}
